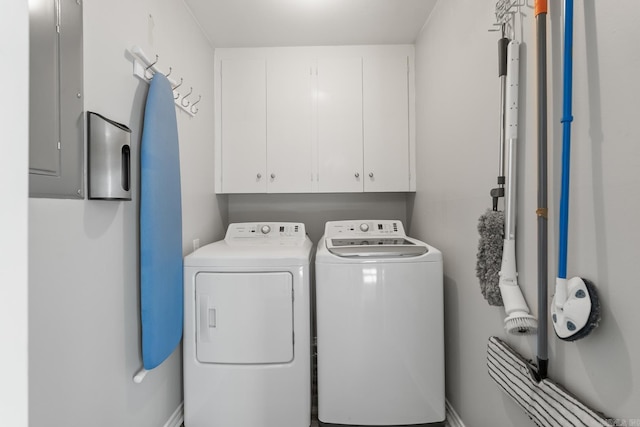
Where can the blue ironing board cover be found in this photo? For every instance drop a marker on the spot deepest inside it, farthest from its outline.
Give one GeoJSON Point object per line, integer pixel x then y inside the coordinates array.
{"type": "Point", "coordinates": [161, 268]}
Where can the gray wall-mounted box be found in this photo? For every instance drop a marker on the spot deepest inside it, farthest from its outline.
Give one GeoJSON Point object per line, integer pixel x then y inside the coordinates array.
{"type": "Point", "coordinates": [56, 125]}
{"type": "Point", "coordinates": [109, 149]}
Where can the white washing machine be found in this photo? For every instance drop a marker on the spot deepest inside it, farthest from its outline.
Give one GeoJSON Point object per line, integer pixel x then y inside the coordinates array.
{"type": "Point", "coordinates": [247, 329]}
{"type": "Point", "coordinates": [380, 327]}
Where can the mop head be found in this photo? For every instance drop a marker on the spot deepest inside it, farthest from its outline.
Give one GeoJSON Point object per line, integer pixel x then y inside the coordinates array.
{"type": "Point", "coordinates": [545, 402]}
{"type": "Point", "coordinates": [580, 313]}
{"type": "Point", "coordinates": [489, 258]}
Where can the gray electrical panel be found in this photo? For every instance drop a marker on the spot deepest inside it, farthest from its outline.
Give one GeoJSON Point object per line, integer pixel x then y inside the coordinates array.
{"type": "Point", "coordinates": [56, 135]}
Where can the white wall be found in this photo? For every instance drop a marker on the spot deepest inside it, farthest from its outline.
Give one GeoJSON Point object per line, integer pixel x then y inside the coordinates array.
{"type": "Point", "coordinates": [14, 122]}
{"type": "Point", "coordinates": [83, 255]}
{"type": "Point", "coordinates": [457, 143]}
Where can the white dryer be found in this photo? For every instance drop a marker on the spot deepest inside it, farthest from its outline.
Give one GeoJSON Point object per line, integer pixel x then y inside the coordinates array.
{"type": "Point", "coordinates": [247, 329]}
{"type": "Point", "coordinates": [380, 327]}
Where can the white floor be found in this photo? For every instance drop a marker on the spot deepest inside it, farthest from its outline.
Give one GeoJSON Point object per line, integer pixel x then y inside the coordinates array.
{"type": "Point", "coordinates": [314, 423]}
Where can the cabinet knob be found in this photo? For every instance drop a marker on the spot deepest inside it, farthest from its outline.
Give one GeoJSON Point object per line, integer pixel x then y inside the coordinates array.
{"type": "Point", "coordinates": [273, 176]}
{"type": "Point", "coordinates": [370, 174]}
{"type": "Point", "coordinates": [259, 175]}
{"type": "Point", "coordinates": [357, 175]}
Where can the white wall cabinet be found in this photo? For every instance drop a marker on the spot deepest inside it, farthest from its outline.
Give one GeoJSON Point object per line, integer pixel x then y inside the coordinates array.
{"type": "Point", "coordinates": [289, 122]}
{"type": "Point", "coordinates": [386, 124]}
{"type": "Point", "coordinates": [265, 126]}
{"type": "Point", "coordinates": [339, 125]}
{"type": "Point", "coordinates": [243, 125]}
{"type": "Point", "coordinates": [315, 119]}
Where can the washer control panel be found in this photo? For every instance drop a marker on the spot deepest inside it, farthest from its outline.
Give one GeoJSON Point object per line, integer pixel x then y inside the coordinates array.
{"type": "Point", "coordinates": [279, 233]}
{"type": "Point", "coordinates": [387, 228]}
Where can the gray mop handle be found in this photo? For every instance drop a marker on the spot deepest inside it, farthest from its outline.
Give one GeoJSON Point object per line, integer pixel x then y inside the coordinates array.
{"type": "Point", "coordinates": [541, 30]}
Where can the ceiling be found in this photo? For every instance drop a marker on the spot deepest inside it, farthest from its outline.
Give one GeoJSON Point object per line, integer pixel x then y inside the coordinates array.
{"type": "Point", "coordinates": [260, 23]}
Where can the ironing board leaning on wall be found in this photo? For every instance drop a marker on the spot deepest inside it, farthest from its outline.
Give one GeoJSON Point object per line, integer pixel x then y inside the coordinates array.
{"type": "Point", "coordinates": [161, 272]}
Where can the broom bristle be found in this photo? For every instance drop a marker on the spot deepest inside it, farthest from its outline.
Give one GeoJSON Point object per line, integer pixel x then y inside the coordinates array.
{"type": "Point", "coordinates": [521, 324]}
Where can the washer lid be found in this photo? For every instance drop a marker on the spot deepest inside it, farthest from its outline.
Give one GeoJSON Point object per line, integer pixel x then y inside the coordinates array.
{"type": "Point", "coordinates": [376, 247]}
{"type": "Point", "coordinates": [367, 238]}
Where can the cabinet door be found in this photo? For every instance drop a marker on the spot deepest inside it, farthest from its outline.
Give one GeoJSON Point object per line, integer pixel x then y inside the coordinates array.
{"type": "Point", "coordinates": [339, 97]}
{"type": "Point", "coordinates": [243, 125]}
{"type": "Point", "coordinates": [289, 114]}
{"type": "Point", "coordinates": [386, 124]}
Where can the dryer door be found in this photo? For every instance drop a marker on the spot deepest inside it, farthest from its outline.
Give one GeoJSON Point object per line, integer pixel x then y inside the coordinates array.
{"type": "Point", "coordinates": [244, 318]}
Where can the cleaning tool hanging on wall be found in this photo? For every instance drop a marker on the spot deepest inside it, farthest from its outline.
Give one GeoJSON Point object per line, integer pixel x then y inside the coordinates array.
{"type": "Point", "coordinates": [519, 321]}
{"type": "Point", "coordinates": [541, 212]}
{"type": "Point", "coordinates": [491, 223]}
{"type": "Point", "coordinates": [161, 275]}
{"type": "Point", "coordinates": [575, 309]}
{"type": "Point", "coordinates": [545, 402]}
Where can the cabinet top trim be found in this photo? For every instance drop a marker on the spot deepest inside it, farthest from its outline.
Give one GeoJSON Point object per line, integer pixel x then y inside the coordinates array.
{"type": "Point", "coordinates": [312, 52]}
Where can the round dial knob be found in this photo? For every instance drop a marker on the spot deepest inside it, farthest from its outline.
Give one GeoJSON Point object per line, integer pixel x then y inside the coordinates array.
{"type": "Point", "coordinates": [265, 229]}
{"type": "Point", "coordinates": [364, 227]}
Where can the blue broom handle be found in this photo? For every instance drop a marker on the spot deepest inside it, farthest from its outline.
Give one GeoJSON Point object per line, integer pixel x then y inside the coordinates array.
{"type": "Point", "coordinates": [567, 118]}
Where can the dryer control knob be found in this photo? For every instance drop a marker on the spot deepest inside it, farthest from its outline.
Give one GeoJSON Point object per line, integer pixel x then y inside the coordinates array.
{"type": "Point", "coordinates": [364, 227]}
{"type": "Point", "coordinates": [265, 229]}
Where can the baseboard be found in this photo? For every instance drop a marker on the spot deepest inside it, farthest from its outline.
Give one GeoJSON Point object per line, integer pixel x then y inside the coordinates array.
{"type": "Point", "coordinates": [177, 418]}
{"type": "Point", "coordinates": [453, 419]}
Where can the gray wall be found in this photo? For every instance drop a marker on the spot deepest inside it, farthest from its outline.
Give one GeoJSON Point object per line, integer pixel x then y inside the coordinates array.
{"type": "Point", "coordinates": [457, 143]}
{"type": "Point", "coordinates": [84, 330]}
{"type": "Point", "coordinates": [314, 210]}
{"type": "Point", "coordinates": [14, 122]}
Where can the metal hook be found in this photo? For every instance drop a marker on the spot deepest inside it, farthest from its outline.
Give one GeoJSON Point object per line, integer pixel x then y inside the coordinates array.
{"type": "Point", "coordinates": [169, 73]}
{"type": "Point", "coordinates": [154, 63]}
{"type": "Point", "coordinates": [177, 95]}
{"type": "Point", "coordinates": [185, 97]}
{"type": "Point", "coordinates": [193, 109]}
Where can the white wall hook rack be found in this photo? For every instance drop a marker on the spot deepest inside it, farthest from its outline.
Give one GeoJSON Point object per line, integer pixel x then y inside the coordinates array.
{"type": "Point", "coordinates": [504, 13]}
{"type": "Point", "coordinates": [144, 69]}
